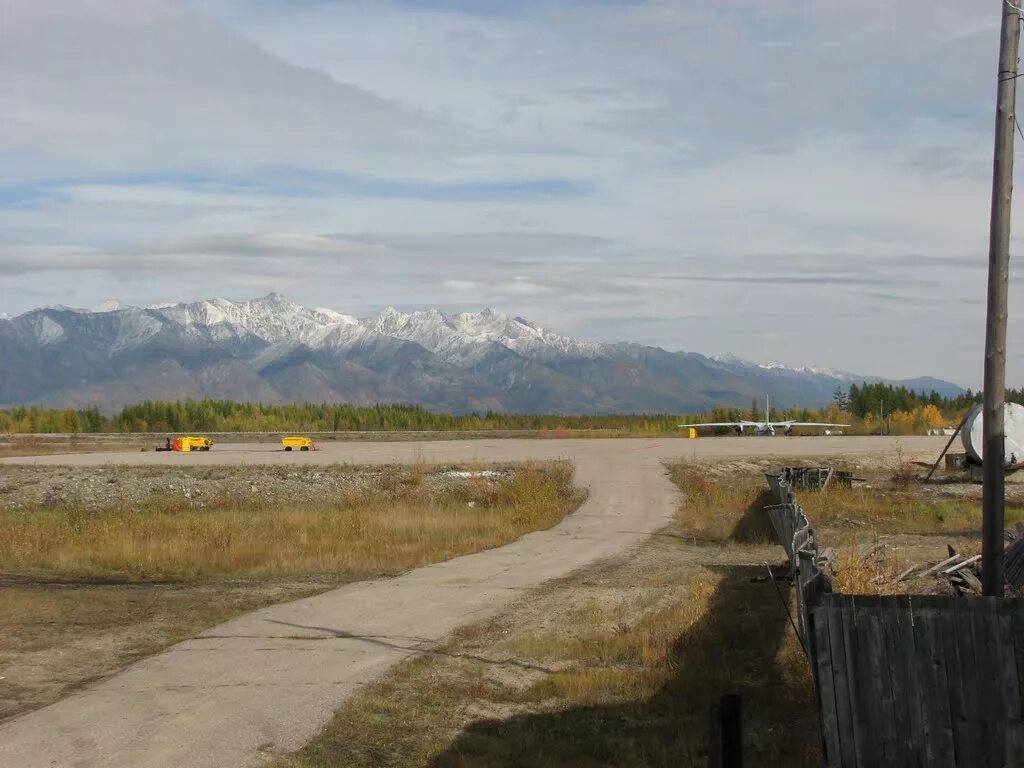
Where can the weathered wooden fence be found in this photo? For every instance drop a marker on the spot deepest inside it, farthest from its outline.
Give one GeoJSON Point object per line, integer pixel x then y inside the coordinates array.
{"type": "Point", "coordinates": [797, 537]}
{"type": "Point", "coordinates": [906, 680]}
{"type": "Point", "coordinates": [919, 680]}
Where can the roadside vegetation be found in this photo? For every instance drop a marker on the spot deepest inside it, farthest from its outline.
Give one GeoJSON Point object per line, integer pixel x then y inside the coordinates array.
{"type": "Point", "coordinates": [877, 528]}
{"type": "Point", "coordinates": [891, 505]}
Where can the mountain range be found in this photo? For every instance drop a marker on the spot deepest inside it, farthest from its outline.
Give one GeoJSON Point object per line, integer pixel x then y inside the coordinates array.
{"type": "Point", "coordinates": [272, 349]}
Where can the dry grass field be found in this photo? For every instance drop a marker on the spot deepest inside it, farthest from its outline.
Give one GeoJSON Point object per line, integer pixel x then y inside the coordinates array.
{"type": "Point", "coordinates": [394, 522]}
{"type": "Point", "coordinates": [32, 445]}
{"type": "Point", "coordinates": [86, 589]}
{"type": "Point", "coordinates": [878, 528]}
{"type": "Point", "coordinates": [889, 504]}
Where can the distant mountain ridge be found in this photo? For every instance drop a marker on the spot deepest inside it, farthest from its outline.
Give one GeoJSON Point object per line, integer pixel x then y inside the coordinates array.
{"type": "Point", "coordinates": [273, 349]}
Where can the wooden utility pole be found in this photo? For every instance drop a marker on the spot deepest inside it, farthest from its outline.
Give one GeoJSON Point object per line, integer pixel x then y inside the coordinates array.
{"type": "Point", "coordinates": [993, 488]}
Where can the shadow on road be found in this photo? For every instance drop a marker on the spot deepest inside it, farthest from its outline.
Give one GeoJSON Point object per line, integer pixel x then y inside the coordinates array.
{"type": "Point", "coordinates": [732, 648]}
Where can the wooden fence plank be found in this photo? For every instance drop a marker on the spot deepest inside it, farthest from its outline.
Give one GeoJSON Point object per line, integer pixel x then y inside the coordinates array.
{"type": "Point", "coordinates": [877, 665]}
{"type": "Point", "coordinates": [990, 714]}
{"type": "Point", "coordinates": [783, 519]}
{"type": "Point", "coordinates": [861, 687]}
{"type": "Point", "coordinates": [984, 617]}
{"type": "Point", "coordinates": [899, 646]}
{"type": "Point", "coordinates": [821, 664]}
{"type": "Point", "coordinates": [1003, 671]}
{"type": "Point", "coordinates": [845, 709]}
{"type": "Point", "coordinates": [931, 665]}
{"type": "Point", "coordinates": [1012, 636]}
{"type": "Point", "coordinates": [963, 697]}
{"type": "Point", "coordinates": [992, 711]}
{"type": "Point", "coordinates": [807, 573]}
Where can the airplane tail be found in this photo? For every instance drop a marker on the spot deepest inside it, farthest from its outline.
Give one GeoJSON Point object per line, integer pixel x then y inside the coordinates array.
{"type": "Point", "coordinates": [767, 411]}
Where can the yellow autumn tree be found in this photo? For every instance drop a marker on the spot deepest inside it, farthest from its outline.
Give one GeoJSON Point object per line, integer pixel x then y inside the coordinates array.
{"type": "Point", "coordinates": [870, 421]}
{"type": "Point", "coordinates": [932, 417]}
{"type": "Point", "coordinates": [902, 422]}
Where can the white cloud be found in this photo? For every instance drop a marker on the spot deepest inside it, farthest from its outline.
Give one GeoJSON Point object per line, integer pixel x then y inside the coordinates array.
{"type": "Point", "coordinates": [521, 286]}
{"type": "Point", "coordinates": [614, 170]}
{"type": "Point", "coordinates": [460, 286]}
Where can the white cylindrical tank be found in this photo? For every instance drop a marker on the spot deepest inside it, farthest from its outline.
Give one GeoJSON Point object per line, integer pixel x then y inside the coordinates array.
{"type": "Point", "coordinates": [971, 434]}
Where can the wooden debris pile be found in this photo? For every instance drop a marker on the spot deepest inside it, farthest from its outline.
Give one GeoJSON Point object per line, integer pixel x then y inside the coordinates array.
{"type": "Point", "coordinates": [963, 572]}
{"type": "Point", "coordinates": [816, 478]}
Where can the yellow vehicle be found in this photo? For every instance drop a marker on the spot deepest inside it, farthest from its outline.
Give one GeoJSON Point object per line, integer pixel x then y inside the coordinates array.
{"type": "Point", "coordinates": [296, 441]}
{"type": "Point", "coordinates": [186, 444]}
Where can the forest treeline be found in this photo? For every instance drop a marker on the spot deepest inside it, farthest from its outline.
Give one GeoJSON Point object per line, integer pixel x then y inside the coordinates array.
{"type": "Point", "coordinates": [863, 399]}
{"type": "Point", "coordinates": [230, 416]}
{"type": "Point", "coordinates": [870, 407]}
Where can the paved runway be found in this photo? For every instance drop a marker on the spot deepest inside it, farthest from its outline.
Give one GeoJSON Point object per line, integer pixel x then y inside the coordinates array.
{"type": "Point", "coordinates": [268, 681]}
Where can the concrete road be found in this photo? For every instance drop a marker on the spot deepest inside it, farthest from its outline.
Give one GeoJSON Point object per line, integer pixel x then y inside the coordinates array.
{"type": "Point", "coordinates": [267, 682]}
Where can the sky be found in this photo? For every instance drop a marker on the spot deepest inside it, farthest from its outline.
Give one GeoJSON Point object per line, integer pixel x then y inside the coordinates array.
{"type": "Point", "coordinates": [783, 180]}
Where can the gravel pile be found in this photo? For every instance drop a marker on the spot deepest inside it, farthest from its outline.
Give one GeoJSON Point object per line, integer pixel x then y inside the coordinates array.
{"type": "Point", "coordinates": [90, 488]}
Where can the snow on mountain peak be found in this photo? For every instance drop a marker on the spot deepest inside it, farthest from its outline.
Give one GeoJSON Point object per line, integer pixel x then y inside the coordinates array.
{"type": "Point", "coordinates": [110, 305]}
{"type": "Point", "coordinates": [336, 317]}
{"type": "Point", "coordinates": [466, 337]}
{"type": "Point", "coordinates": [831, 373]}
{"type": "Point", "coordinates": [781, 368]}
{"type": "Point", "coordinates": [727, 358]}
{"type": "Point", "coordinates": [49, 330]}
{"type": "Point", "coordinates": [460, 339]}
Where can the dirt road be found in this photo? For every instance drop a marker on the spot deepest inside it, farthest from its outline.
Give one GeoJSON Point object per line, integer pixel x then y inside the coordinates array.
{"type": "Point", "coordinates": [265, 683]}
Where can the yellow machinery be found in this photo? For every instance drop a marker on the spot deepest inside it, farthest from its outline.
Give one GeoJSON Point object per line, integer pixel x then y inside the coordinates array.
{"type": "Point", "coordinates": [296, 441]}
{"type": "Point", "coordinates": [692, 433]}
{"type": "Point", "coordinates": [186, 444]}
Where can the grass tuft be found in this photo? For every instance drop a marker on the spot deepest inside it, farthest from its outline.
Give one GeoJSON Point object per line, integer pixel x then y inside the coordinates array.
{"type": "Point", "coordinates": [713, 509]}
{"type": "Point", "coordinates": [869, 574]}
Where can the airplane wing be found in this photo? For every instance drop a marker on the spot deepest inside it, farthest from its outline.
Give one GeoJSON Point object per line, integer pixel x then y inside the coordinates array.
{"type": "Point", "coordinates": [720, 424]}
{"type": "Point", "coordinates": [806, 424]}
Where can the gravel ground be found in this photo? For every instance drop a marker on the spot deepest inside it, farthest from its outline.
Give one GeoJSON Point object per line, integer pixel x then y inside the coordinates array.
{"type": "Point", "coordinates": [96, 488]}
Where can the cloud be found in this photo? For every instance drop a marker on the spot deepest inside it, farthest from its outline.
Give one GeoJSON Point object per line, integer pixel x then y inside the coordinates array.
{"type": "Point", "coordinates": [460, 286]}
{"type": "Point", "coordinates": [785, 280]}
{"type": "Point", "coordinates": [521, 286]}
{"type": "Point", "coordinates": [611, 169]}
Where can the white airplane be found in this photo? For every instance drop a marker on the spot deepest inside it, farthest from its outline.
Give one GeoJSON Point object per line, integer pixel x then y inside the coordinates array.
{"type": "Point", "coordinates": [766, 427]}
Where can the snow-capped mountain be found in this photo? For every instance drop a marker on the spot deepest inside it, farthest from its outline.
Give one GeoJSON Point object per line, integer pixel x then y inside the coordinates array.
{"type": "Point", "coordinates": [274, 319]}
{"type": "Point", "coordinates": [273, 349]}
{"type": "Point", "coordinates": [731, 360]}
{"type": "Point", "coordinates": [470, 336]}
